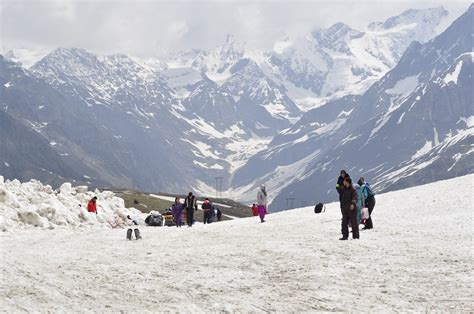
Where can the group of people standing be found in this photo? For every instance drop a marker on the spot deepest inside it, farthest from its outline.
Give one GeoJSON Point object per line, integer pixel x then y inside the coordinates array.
{"type": "Point", "coordinates": [353, 198]}
{"type": "Point", "coordinates": [189, 207]}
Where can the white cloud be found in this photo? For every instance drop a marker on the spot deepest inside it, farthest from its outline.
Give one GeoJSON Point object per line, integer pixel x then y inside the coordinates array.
{"type": "Point", "coordinates": [152, 28]}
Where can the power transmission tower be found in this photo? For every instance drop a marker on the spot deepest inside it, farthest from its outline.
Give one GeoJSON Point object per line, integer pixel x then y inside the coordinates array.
{"type": "Point", "coordinates": [288, 200]}
{"type": "Point", "coordinates": [219, 187]}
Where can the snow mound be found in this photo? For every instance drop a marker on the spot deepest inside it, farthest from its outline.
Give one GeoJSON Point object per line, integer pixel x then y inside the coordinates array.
{"type": "Point", "coordinates": [32, 204]}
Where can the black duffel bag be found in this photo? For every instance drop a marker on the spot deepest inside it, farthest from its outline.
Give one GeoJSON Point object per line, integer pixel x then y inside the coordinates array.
{"type": "Point", "coordinates": [319, 208]}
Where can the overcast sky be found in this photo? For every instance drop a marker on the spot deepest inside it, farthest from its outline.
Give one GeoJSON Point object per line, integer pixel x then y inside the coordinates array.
{"type": "Point", "coordinates": [152, 28]}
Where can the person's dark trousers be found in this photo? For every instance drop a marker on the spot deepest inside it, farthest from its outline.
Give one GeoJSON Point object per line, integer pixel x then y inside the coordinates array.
{"type": "Point", "coordinates": [370, 201]}
{"type": "Point", "coordinates": [189, 216]}
{"type": "Point", "coordinates": [207, 217]}
{"type": "Point", "coordinates": [349, 216]}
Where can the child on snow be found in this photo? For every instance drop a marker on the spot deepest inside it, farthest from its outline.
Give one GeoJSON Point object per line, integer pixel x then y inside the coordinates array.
{"type": "Point", "coordinates": [177, 210]}
{"type": "Point", "coordinates": [92, 205]}
{"type": "Point", "coordinates": [133, 223]}
{"type": "Point", "coordinates": [254, 210]}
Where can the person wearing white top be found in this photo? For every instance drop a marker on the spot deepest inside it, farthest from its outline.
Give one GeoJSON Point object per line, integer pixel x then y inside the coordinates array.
{"type": "Point", "coordinates": [262, 202]}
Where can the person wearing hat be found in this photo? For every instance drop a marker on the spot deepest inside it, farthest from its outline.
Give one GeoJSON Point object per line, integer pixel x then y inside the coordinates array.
{"type": "Point", "coordinates": [92, 205]}
{"type": "Point", "coordinates": [262, 202]}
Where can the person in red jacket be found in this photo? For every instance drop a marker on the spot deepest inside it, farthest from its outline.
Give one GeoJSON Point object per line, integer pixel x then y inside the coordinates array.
{"type": "Point", "coordinates": [92, 206]}
{"type": "Point", "coordinates": [254, 210]}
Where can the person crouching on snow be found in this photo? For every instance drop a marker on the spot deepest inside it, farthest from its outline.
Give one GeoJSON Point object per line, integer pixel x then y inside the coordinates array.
{"type": "Point", "coordinates": [92, 205]}
{"type": "Point", "coordinates": [133, 223]}
{"type": "Point", "coordinates": [262, 203]}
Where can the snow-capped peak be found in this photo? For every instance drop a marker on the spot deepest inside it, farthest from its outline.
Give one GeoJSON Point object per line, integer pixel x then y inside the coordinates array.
{"type": "Point", "coordinates": [334, 31]}
{"type": "Point", "coordinates": [430, 16]}
{"type": "Point", "coordinates": [25, 57]}
{"type": "Point", "coordinates": [231, 46]}
{"type": "Point", "coordinates": [153, 64]}
{"type": "Point", "coordinates": [64, 53]}
{"type": "Point", "coordinates": [336, 37]}
{"type": "Point", "coordinates": [281, 45]}
{"type": "Point", "coordinates": [74, 62]}
{"type": "Point", "coordinates": [10, 56]}
{"type": "Point", "coordinates": [223, 57]}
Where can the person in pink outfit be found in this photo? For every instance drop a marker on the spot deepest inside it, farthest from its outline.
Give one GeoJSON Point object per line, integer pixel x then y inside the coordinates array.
{"type": "Point", "coordinates": [262, 203]}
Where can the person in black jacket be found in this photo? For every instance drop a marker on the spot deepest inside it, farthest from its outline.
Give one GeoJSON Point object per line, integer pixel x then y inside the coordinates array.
{"type": "Point", "coordinates": [340, 184]}
{"type": "Point", "coordinates": [349, 210]}
{"type": "Point", "coordinates": [219, 214]}
{"type": "Point", "coordinates": [190, 205]}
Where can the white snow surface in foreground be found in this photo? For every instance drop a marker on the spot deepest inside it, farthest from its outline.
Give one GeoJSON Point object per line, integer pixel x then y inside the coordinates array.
{"type": "Point", "coordinates": [32, 204]}
{"type": "Point", "coordinates": [418, 258]}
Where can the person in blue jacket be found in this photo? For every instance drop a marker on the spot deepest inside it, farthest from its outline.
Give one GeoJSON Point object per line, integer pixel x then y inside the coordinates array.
{"type": "Point", "coordinates": [360, 201]}
{"type": "Point", "coordinates": [369, 197]}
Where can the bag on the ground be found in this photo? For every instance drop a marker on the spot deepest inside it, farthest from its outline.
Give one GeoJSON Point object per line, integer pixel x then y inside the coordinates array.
{"type": "Point", "coordinates": [319, 208]}
{"type": "Point", "coordinates": [168, 219]}
{"type": "Point", "coordinates": [364, 214]}
{"type": "Point", "coordinates": [154, 219]}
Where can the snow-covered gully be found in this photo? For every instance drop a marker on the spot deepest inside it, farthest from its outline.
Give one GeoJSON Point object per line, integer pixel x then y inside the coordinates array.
{"type": "Point", "coordinates": [418, 258]}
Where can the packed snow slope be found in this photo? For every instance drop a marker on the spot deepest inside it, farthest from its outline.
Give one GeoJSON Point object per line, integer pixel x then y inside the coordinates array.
{"type": "Point", "coordinates": [418, 258]}
{"type": "Point", "coordinates": [32, 204]}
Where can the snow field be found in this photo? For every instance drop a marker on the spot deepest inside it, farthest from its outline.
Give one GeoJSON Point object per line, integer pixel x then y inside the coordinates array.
{"type": "Point", "coordinates": [418, 258]}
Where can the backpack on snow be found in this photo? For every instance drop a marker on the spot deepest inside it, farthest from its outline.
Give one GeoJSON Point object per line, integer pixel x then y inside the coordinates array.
{"type": "Point", "coordinates": [319, 208]}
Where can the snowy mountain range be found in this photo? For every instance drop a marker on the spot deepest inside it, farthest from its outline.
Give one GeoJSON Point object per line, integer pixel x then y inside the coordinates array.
{"type": "Point", "coordinates": [340, 60]}
{"type": "Point", "coordinates": [290, 117]}
{"type": "Point", "coordinates": [412, 126]}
